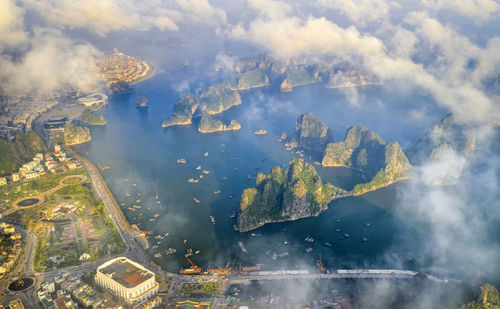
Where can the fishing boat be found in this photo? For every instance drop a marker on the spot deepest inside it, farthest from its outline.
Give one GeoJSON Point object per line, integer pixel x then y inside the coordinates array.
{"type": "Point", "coordinates": [197, 251]}
{"type": "Point", "coordinates": [206, 172]}
{"type": "Point", "coordinates": [206, 154]}
{"type": "Point", "coordinates": [166, 234]}
{"type": "Point", "coordinates": [193, 180]}
{"type": "Point", "coordinates": [197, 201]}
{"type": "Point", "coordinates": [282, 255]}
{"type": "Point", "coordinates": [223, 178]}
{"type": "Point", "coordinates": [364, 239]}
{"type": "Point", "coordinates": [217, 192]}
{"type": "Point", "coordinates": [152, 219]}
{"type": "Point", "coordinates": [327, 244]}
{"type": "Point", "coordinates": [185, 240]}
{"type": "Point", "coordinates": [212, 219]}
{"type": "Point", "coordinates": [181, 161]}
{"type": "Point", "coordinates": [368, 224]}
{"type": "Point", "coordinates": [158, 202]}
{"type": "Point", "coordinates": [134, 185]}
{"type": "Point", "coordinates": [156, 215]}
{"type": "Point", "coordinates": [127, 194]}
{"type": "Point", "coordinates": [309, 250]}
{"type": "Point", "coordinates": [188, 253]}
{"type": "Point", "coordinates": [156, 197]}
{"type": "Point", "coordinates": [198, 167]}
{"type": "Point", "coordinates": [309, 239]}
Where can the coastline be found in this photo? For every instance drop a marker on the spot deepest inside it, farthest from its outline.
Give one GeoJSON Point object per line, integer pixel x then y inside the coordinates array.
{"type": "Point", "coordinates": [152, 72]}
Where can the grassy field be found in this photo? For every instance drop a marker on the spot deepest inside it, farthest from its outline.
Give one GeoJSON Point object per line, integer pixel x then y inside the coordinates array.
{"type": "Point", "coordinates": [70, 222]}
{"type": "Point", "coordinates": [200, 289]}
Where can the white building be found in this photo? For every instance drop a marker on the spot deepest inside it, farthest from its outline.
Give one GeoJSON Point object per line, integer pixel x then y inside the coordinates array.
{"type": "Point", "coordinates": [127, 279]}
{"type": "Point", "coordinates": [93, 99]}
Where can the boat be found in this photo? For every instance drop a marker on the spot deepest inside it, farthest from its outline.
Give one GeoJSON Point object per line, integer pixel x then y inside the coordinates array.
{"type": "Point", "coordinates": [193, 270]}
{"type": "Point", "coordinates": [193, 180]}
{"type": "Point", "coordinates": [130, 208]}
{"type": "Point", "coordinates": [309, 239]}
{"type": "Point", "coordinates": [185, 240]}
{"type": "Point", "coordinates": [233, 214]}
{"type": "Point", "coordinates": [156, 197]}
{"type": "Point", "coordinates": [236, 169]}
{"type": "Point", "coordinates": [142, 101]}
{"type": "Point", "coordinates": [159, 237]}
{"type": "Point", "coordinates": [368, 224]}
{"type": "Point", "coordinates": [242, 247]}
{"type": "Point", "coordinates": [188, 253]}
{"type": "Point", "coordinates": [327, 244]}
{"type": "Point", "coordinates": [230, 196]}
{"type": "Point", "coordinates": [274, 256]}
{"type": "Point", "coordinates": [181, 161]}
{"type": "Point", "coordinates": [364, 239]}
{"type": "Point", "coordinates": [282, 255]}
{"type": "Point", "coordinates": [104, 167]}
{"type": "Point", "coordinates": [152, 219]}
{"type": "Point", "coordinates": [134, 185]}
{"type": "Point", "coordinates": [212, 219]}
{"type": "Point", "coordinates": [166, 234]}
{"type": "Point", "coordinates": [206, 172]}
{"type": "Point", "coordinates": [138, 201]}
{"type": "Point", "coordinates": [249, 177]}
{"type": "Point", "coordinates": [206, 154]}
{"type": "Point", "coordinates": [341, 237]}
{"type": "Point", "coordinates": [170, 251]}
{"type": "Point", "coordinates": [158, 202]}
{"type": "Point", "coordinates": [321, 266]}
{"type": "Point", "coordinates": [157, 255]}
{"type": "Point", "coordinates": [127, 194]}
{"type": "Point", "coordinates": [347, 235]}
{"type": "Point", "coordinates": [198, 167]}
{"type": "Point", "coordinates": [337, 230]}
{"type": "Point", "coordinates": [138, 194]}
{"type": "Point", "coordinates": [223, 178]}
{"type": "Point", "coordinates": [201, 176]}
{"type": "Point", "coordinates": [156, 215]}
{"type": "Point", "coordinates": [197, 251]}
{"type": "Point", "coordinates": [217, 192]}
{"type": "Point", "coordinates": [197, 201]}
{"type": "Point", "coordinates": [309, 250]}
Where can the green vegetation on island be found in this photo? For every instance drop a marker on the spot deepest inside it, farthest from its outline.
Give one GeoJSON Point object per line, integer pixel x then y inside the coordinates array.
{"type": "Point", "coordinates": [20, 150]}
{"type": "Point", "coordinates": [382, 163]}
{"type": "Point", "coordinates": [74, 135]}
{"type": "Point", "coordinates": [311, 133]}
{"type": "Point", "coordinates": [445, 140]}
{"type": "Point", "coordinates": [91, 119]}
{"type": "Point", "coordinates": [298, 75]}
{"type": "Point", "coordinates": [284, 195]}
{"type": "Point", "coordinates": [252, 79]}
{"type": "Point", "coordinates": [488, 298]}
{"type": "Point", "coordinates": [209, 125]}
{"type": "Point", "coordinates": [213, 100]}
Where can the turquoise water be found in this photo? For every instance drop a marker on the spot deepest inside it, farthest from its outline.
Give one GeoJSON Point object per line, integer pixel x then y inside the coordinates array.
{"type": "Point", "coordinates": [140, 152]}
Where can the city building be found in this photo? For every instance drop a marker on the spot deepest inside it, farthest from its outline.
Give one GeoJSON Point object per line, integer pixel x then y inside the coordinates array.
{"type": "Point", "coordinates": [16, 304]}
{"type": "Point", "coordinates": [3, 181]}
{"type": "Point", "coordinates": [15, 177]}
{"type": "Point", "coordinates": [127, 279]}
{"type": "Point", "coordinates": [93, 99]}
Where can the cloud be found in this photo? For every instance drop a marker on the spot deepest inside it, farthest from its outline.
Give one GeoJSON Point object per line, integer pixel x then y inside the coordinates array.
{"type": "Point", "coordinates": [52, 60]}
{"type": "Point", "coordinates": [359, 11]}
{"type": "Point", "coordinates": [478, 10]}
{"type": "Point", "coordinates": [11, 23]}
{"type": "Point", "coordinates": [103, 16]}
{"type": "Point", "coordinates": [202, 12]}
{"type": "Point", "coordinates": [270, 9]}
{"type": "Point", "coordinates": [291, 36]}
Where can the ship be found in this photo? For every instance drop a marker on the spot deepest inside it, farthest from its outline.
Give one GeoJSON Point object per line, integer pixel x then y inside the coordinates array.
{"type": "Point", "coordinates": [206, 172]}
{"type": "Point", "coordinates": [197, 201]}
{"type": "Point", "coordinates": [252, 268]}
{"type": "Point", "coordinates": [104, 167]}
{"type": "Point", "coordinates": [198, 167]}
{"type": "Point", "coordinates": [181, 161]}
{"type": "Point", "coordinates": [193, 270]}
{"type": "Point", "coordinates": [321, 266]}
{"type": "Point", "coordinates": [142, 101]}
{"type": "Point", "coordinates": [193, 180]}
{"type": "Point", "coordinates": [188, 253]}
{"type": "Point", "coordinates": [170, 251]}
{"type": "Point", "coordinates": [206, 154]}
{"type": "Point", "coordinates": [217, 192]}
{"type": "Point", "coordinates": [212, 219]}
{"type": "Point", "coordinates": [242, 247]}
{"type": "Point", "coordinates": [309, 239]}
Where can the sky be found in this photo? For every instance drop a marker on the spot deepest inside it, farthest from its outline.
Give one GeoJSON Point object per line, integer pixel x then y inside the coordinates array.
{"type": "Point", "coordinates": [446, 49]}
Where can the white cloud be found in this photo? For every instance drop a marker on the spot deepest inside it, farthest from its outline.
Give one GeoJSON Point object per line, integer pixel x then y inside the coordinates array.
{"type": "Point", "coordinates": [292, 36]}
{"type": "Point", "coordinates": [104, 16]}
{"type": "Point", "coordinates": [51, 61]}
{"type": "Point", "coordinates": [478, 10]}
{"type": "Point", "coordinates": [359, 11]}
{"type": "Point", "coordinates": [11, 23]}
{"type": "Point", "coordinates": [202, 12]}
{"type": "Point", "coordinates": [270, 9]}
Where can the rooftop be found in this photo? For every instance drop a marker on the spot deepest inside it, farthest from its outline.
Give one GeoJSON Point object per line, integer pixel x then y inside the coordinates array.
{"type": "Point", "coordinates": [124, 272]}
